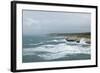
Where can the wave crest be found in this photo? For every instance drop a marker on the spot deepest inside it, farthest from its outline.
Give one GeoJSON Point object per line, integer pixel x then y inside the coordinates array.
{"type": "Point", "coordinates": [50, 52]}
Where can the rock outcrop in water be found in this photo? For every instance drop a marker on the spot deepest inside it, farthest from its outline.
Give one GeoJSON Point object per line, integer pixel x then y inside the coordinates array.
{"type": "Point", "coordinates": [75, 37]}
{"type": "Point", "coordinates": [78, 40]}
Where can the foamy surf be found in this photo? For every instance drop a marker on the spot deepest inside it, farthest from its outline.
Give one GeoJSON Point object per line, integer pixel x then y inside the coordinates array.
{"type": "Point", "coordinates": [50, 52]}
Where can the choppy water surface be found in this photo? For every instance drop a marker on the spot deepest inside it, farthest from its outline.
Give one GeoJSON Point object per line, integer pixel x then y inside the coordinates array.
{"type": "Point", "coordinates": [45, 48]}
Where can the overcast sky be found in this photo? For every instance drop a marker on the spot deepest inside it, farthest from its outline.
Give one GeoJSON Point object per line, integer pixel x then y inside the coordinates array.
{"type": "Point", "coordinates": [45, 22]}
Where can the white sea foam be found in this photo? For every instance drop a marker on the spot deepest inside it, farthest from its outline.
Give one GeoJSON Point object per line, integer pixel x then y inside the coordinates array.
{"type": "Point", "coordinates": [53, 55]}
{"type": "Point", "coordinates": [60, 40]}
{"type": "Point", "coordinates": [56, 51]}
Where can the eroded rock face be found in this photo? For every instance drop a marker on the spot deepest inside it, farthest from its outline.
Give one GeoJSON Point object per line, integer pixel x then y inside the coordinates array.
{"type": "Point", "coordinates": [78, 39]}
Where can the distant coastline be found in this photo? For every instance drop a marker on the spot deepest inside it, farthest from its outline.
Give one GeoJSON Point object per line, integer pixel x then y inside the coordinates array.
{"type": "Point", "coordinates": [83, 34]}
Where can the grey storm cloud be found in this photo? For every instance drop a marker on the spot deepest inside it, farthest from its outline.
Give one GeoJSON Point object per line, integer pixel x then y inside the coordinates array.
{"type": "Point", "coordinates": [45, 22]}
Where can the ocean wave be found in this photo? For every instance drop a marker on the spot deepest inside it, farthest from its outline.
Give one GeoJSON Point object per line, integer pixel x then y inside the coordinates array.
{"type": "Point", "coordinates": [49, 52]}
{"type": "Point", "coordinates": [47, 42]}
{"type": "Point", "coordinates": [35, 44]}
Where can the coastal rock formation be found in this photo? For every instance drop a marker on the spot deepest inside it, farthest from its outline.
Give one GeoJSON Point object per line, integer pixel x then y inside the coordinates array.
{"type": "Point", "coordinates": [78, 39]}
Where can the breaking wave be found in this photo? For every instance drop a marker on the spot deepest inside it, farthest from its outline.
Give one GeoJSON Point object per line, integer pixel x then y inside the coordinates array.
{"type": "Point", "coordinates": [49, 51]}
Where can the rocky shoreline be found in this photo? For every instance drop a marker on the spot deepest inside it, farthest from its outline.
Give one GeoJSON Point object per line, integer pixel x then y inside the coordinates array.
{"type": "Point", "coordinates": [86, 36]}
{"type": "Point", "coordinates": [77, 39]}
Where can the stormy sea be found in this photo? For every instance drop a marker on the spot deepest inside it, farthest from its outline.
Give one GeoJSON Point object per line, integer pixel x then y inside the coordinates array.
{"type": "Point", "coordinates": [47, 48]}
